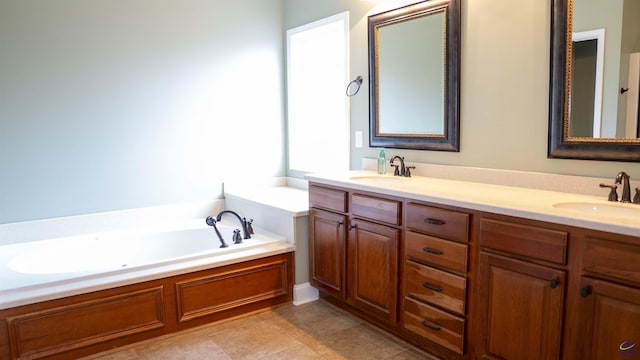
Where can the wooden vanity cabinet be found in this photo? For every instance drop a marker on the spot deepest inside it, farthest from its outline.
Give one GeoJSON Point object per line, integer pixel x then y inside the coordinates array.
{"type": "Point", "coordinates": [608, 315]}
{"type": "Point", "coordinates": [328, 251]}
{"type": "Point", "coordinates": [355, 241]}
{"type": "Point", "coordinates": [467, 284]}
{"type": "Point", "coordinates": [522, 306]}
{"type": "Point", "coordinates": [373, 269]}
{"type": "Point", "coordinates": [327, 241]}
{"type": "Point", "coordinates": [610, 321]}
{"type": "Point", "coordinates": [435, 271]}
{"type": "Point", "coordinates": [521, 291]}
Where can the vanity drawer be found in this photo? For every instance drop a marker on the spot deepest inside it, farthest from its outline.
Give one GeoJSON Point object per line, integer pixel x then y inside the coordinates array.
{"type": "Point", "coordinates": [526, 240]}
{"type": "Point", "coordinates": [326, 198]}
{"type": "Point", "coordinates": [434, 221]}
{"type": "Point", "coordinates": [435, 286]}
{"type": "Point", "coordinates": [436, 325]}
{"type": "Point", "coordinates": [375, 208]}
{"type": "Point", "coordinates": [438, 252]}
{"type": "Point", "coordinates": [612, 259]}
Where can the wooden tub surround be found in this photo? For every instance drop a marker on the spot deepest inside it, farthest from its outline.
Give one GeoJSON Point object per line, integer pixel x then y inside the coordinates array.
{"type": "Point", "coordinates": [465, 280]}
{"type": "Point", "coordinates": [81, 325]}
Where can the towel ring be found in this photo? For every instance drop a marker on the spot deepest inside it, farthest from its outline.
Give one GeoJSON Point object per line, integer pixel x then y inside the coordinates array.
{"type": "Point", "coordinates": [357, 82]}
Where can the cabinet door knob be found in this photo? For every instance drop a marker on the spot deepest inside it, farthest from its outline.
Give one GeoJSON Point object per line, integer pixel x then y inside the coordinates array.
{"type": "Point", "coordinates": [585, 291]}
{"type": "Point", "coordinates": [351, 227]}
{"type": "Point", "coordinates": [434, 221]}
{"type": "Point", "coordinates": [432, 251]}
{"type": "Point", "coordinates": [431, 287]}
{"type": "Point", "coordinates": [339, 223]}
{"type": "Point", "coordinates": [554, 283]}
{"type": "Point", "coordinates": [430, 326]}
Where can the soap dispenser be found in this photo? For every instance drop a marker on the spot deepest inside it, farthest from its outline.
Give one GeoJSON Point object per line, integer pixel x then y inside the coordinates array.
{"type": "Point", "coordinates": [382, 162]}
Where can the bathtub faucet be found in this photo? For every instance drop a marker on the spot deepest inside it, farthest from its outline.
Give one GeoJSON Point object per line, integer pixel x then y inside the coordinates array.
{"type": "Point", "coordinates": [247, 229]}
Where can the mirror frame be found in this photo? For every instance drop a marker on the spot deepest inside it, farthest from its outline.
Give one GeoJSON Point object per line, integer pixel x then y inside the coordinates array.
{"type": "Point", "coordinates": [560, 145]}
{"type": "Point", "coordinates": [449, 141]}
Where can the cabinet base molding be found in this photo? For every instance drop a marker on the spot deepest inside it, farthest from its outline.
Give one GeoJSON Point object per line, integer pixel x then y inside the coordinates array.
{"type": "Point", "coordinates": [304, 293]}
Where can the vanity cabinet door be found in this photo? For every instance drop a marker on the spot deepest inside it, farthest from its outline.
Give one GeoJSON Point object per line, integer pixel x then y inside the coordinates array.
{"type": "Point", "coordinates": [521, 309]}
{"type": "Point", "coordinates": [327, 251]}
{"type": "Point", "coordinates": [610, 318]}
{"type": "Point", "coordinates": [373, 269]}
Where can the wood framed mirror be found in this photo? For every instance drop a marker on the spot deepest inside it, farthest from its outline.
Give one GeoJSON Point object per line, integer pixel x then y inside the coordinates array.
{"type": "Point", "coordinates": [595, 60]}
{"type": "Point", "coordinates": [414, 77]}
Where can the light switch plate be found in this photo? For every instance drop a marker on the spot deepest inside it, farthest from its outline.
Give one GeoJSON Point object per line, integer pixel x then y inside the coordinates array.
{"type": "Point", "coordinates": [358, 139]}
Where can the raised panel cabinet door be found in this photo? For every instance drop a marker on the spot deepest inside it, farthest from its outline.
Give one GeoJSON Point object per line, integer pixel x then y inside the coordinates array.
{"type": "Point", "coordinates": [327, 251]}
{"type": "Point", "coordinates": [521, 309]}
{"type": "Point", "coordinates": [610, 318]}
{"type": "Point", "coordinates": [373, 269]}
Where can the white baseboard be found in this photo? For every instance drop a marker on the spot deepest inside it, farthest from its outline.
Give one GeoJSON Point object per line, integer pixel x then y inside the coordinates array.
{"type": "Point", "coordinates": [304, 293]}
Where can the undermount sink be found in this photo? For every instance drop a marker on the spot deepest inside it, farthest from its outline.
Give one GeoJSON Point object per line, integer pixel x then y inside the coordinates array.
{"type": "Point", "coordinates": [378, 178]}
{"type": "Point", "coordinates": [617, 210]}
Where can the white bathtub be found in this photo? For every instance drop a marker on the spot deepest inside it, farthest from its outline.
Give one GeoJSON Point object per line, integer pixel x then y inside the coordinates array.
{"type": "Point", "coordinates": [54, 268]}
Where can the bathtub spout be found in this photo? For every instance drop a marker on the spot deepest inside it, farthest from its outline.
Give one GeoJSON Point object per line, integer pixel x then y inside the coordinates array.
{"type": "Point", "coordinates": [247, 229]}
{"type": "Point", "coordinates": [212, 222]}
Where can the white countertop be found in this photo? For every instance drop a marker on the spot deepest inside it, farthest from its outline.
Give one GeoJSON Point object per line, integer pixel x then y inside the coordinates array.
{"type": "Point", "coordinates": [499, 199]}
{"type": "Point", "coordinates": [286, 198]}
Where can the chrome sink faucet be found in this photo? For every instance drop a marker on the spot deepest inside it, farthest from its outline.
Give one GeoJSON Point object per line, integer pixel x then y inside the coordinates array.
{"type": "Point", "coordinates": [623, 178]}
{"type": "Point", "coordinates": [247, 229]}
{"type": "Point", "coordinates": [403, 170]}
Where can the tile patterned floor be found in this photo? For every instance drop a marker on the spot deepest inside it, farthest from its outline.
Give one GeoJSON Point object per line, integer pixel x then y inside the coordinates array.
{"type": "Point", "coordinates": [311, 331]}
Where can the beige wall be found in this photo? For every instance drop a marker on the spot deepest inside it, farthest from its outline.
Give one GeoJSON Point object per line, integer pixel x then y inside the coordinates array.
{"type": "Point", "coordinates": [504, 86]}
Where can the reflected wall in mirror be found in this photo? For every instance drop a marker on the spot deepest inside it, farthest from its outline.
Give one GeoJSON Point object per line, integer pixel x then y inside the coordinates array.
{"type": "Point", "coordinates": [414, 76]}
{"type": "Point", "coordinates": [595, 80]}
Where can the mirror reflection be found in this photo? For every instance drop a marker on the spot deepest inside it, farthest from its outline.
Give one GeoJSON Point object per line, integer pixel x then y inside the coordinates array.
{"type": "Point", "coordinates": [411, 77]}
{"type": "Point", "coordinates": [591, 99]}
{"type": "Point", "coordinates": [605, 69]}
{"type": "Point", "coordinates": [414, 76]}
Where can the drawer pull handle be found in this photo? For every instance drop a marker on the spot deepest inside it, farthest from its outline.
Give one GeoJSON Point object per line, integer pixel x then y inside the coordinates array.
{"type": "Point", "coordinates": [434, 221]}
{"type": "Point", "coordinates": [430, 326]}
{"type": "Point", "coordinates": [554, 283]}
{"type": "Point", "coordinates": [585, 291]}
{"type": "Point", "coordinates": [431, 287]}
{"type": "Point", "coordinates": [432, 251]}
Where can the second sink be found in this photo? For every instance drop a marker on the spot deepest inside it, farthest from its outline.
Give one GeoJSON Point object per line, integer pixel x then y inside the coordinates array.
{"type": "Point", "coordinates": [376, 177]}
{"type": "Point", "coordinates": [602, 209]}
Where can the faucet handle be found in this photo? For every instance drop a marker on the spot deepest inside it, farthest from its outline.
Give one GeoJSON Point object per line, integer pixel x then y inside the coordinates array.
{"type": "Point", "coordinates": [407, 172]}
{"type": "Point", "coordinates": [250, 227]}
{"type": "Point", "coordinates": [396, 172]}
{"type": "Point", "coordinates": [636, 198]}
{"type": "Point", "coordinates": [613, 194]}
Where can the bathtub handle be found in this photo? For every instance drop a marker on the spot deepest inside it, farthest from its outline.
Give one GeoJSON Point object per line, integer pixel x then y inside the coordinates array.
{"type": "Point", "coordinates": [250, 227]}
{"type": "Point", "coordinates": [237, 238]}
